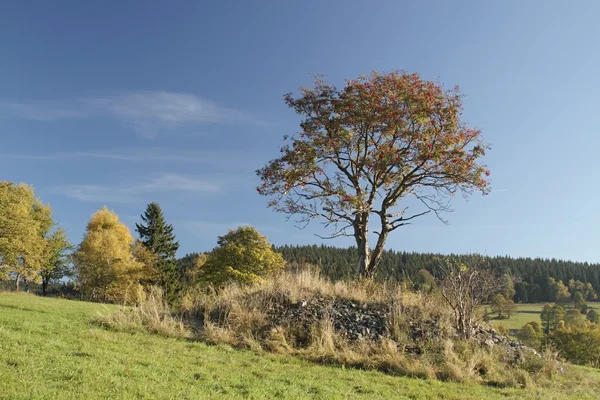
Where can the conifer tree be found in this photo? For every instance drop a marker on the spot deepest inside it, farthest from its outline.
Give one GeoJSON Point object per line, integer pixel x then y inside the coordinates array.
{"type": "Point", "coordinates": [158, 237]}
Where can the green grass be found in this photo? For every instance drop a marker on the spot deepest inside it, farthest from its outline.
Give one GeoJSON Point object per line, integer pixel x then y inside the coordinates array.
{"type": "Point", "coordinates": [529, 312]}
{"type": "Point", "coordinates": [53, 349]}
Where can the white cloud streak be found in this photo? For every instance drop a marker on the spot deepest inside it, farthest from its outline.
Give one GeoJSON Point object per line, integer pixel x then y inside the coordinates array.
{"type": "Point", "coordinates": [212, 157]}
{"type": "Point", "coordinates": [130, 193]}
{"type": "Point", "coordinates": [147, 112]}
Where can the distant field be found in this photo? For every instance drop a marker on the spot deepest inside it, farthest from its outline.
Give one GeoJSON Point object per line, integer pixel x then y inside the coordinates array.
{"type": "Point", "coordinates": [529, 312]}
{"type": "Point", "coordinates": [51, 349]}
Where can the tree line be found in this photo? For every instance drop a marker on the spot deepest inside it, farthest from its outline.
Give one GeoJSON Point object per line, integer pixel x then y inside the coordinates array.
{"type": "Point", "coordinates": [534, 278]}
{"type": "Point", "coordinates": [110, 264]}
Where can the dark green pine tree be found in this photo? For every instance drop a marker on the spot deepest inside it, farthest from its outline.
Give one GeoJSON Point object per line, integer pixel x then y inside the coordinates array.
{"type": "Point", "coordinates": [159, 238]}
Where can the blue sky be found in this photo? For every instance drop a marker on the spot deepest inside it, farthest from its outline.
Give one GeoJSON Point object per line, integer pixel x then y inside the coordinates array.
{"type": "Point", "coordinates": [123, 103]}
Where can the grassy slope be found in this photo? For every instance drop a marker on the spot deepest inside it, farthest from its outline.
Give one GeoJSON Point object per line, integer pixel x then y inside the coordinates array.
{"type": "Point", "coordinates": [529, 312]}
{"type": "Point", "coordinates": [50, 348]}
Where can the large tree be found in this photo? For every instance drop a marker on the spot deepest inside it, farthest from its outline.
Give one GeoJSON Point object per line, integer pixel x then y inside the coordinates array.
{"type": "Point", "coordinates": [364, 149]}
{"type": "Point", "coordinates": [23, 221]}
{"type": "Point", "coordinates": [105, 263]}
{"type": "Point", "coordinates": [158, 237]}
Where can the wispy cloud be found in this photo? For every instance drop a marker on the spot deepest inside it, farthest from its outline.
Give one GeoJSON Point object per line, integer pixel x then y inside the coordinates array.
{"type": "Point", "coordinates": [41, 111]}
{"type": "Point", "coordinates": [130, 193]}
{"type": "Point", "coordinates": [147, 112]}
{"type": "Point", "coordinates": [211, 157]}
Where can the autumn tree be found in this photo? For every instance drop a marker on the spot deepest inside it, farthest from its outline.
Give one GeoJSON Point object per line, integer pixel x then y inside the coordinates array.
{"type": "Point", "coordinates": [551, 317]}
{"type": "Point", "coordinates": [366, 148]}
{"type": "Point", "coordinates": [149, 260]}
{"type": "Point", "coordinates": [23, 220]}
{"type": "Point", "coordinates": [158, 237]}
{"type": "Point", "coordinates": [57, 260]}
{"type": "Point", "coordinates": [465, 286]}
{"type": "Point", "coordinates": [579, 346]}
{"type": "Point", "coordinates": [559, 291]}
{"type": "Point", "coordinates": [530, 334]}
{"type": "Point", "coordinates": [106, 266]}
{"type": "Point", "coordinates": [194, 271]}
{"type": "Point", "coordinates": [575, 319]}
{"type": "Point", "coordinates": [586, 289]}
{"type": "Point", "coordinates": [243, 255]}
{"type": "Point", "coordinates": [502, 306]}
{"type": "Point", "coordinates": [508, 287]}
{"type": "Point", "coordinates": [424, 281]}
{"type": "Point", "coordinates": [578, 300]}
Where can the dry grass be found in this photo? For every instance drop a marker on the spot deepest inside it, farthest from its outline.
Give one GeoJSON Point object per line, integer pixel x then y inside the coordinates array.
{"type": "Point", "coordinates": [151, 313]}
{"type": "Point", "coordinates": [239, 315]}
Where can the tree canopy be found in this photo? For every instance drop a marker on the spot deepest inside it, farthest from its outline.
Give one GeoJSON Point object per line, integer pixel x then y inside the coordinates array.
{"type": "Point", "coordinates": [106, 267]}
{"type": "Point", "coordinates": [365, 148]}
{"type": "Point", "coordinates": [25, 223]}
{"type": "Point", "coordinates": [243, 255]}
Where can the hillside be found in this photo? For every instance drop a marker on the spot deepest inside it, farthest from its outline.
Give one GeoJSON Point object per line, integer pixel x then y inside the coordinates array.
{"type": "Point", "coordinates": [53, 348]}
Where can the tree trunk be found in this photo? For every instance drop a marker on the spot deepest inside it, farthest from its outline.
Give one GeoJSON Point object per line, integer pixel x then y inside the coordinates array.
{"type": "Point", "coordinates": [17, 282]}
{"type": "Point", "coordinates": [377, 252]}
{"type": "Point", "coordinates": [361, 235]}
{"type": "Point", "coordinates": [364, 257]}
{"type": "Point", "coordinates": [44, 286]}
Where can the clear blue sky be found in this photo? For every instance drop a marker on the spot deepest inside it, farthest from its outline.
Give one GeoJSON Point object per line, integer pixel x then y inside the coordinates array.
{"type": "Point", "coordinates": [123, 103]}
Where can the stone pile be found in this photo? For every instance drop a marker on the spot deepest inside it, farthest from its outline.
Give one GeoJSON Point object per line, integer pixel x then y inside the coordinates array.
{"type": "Point", "coordinates": [349, 318]}
{"type": "Point", "coordinates": [491, 338]}
{"type": "Point", "coordinates": [360, 321]}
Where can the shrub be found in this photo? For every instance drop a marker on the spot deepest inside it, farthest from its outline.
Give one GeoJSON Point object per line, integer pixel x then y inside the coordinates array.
{"type": "Point", "coordinates": [529, 336]}
{"type": "Point", "coordinates": [575, 319]}
{"type": "Point", "coordinates": [244, 256]}
{"type": "Point", "coordinates": [593, 316]}
{"type": "Point", "coordinates": [579, 346]}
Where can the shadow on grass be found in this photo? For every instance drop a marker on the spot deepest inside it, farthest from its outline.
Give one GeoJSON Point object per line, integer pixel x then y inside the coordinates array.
{"type": "Point", "coordinates": [21, 308]}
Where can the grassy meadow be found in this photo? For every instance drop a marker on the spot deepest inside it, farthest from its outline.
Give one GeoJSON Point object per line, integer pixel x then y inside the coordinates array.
{"type": "Point", "coordinates": [53, 348]}
{"type": "Point", "coordinates": [529, 312]}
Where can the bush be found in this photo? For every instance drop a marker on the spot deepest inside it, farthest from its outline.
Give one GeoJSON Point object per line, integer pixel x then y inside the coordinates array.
{"type": "Point", "coordinates": [529, 335]}
{"type": "Point", "coordinates": [593, 316]}
{"type": "Point", "coordinates": [243, 256]}
{"type": "Point", "coordinates": [579, 346]}
{"type": "Point", "coordinates": [575, 319]}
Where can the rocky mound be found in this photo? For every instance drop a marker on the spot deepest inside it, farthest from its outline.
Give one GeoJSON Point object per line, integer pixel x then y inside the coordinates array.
{"type": "Point", "coordinates": [351, 319]}
{"type": "Point", "coordinates": [513, 348]}
{"type": "Point", "coordinates": [361, 321]}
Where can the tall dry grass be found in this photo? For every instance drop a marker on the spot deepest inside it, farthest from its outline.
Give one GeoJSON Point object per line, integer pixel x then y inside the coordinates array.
{"type": "Point", "coordinates": [240, 316]}
{"type": "Point", "coordinates": [150, 312]}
